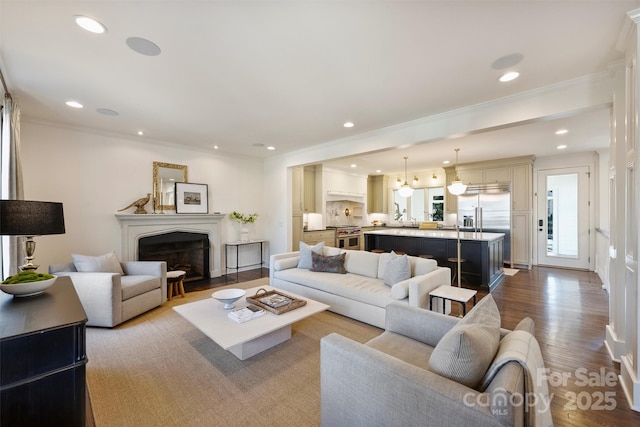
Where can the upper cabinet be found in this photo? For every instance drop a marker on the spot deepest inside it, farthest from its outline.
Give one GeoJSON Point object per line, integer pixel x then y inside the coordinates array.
{"type": "Point", "coordinates": [499, 174]}
{"type": "Point", "coordinates": [309, 199]}
{"type": "Point", "coordinates": [377, 194]}
{"type": "Point", "coordinates": [338, 183]}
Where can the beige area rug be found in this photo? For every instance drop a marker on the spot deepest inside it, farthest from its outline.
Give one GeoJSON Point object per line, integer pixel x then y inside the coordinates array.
{"type": "Point", "coordinates": [159, 370]}
{"type": "Point", "coordinates": [510, 271]}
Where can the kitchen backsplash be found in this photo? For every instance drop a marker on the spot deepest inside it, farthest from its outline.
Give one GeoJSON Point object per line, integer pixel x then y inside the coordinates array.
{"type": "Point", "coordinates": [344, 212]}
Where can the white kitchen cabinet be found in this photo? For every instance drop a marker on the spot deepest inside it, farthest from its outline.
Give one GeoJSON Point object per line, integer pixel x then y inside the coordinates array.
{"type": "Point", "coordinates": [521, 189]}
{"type": "Point", "coordinates": [309, 189]}
{"type": "Point", "coordinates": [344, 183]}
{"type": "Point", "coordinates": [521, 240]}
{"type": "Point", "coordinates": [297, 209]}
{"type": "Point", "coordinates": [377, 194]}
{"type": "Point", "coordinates": [314, 237]}
{"type": "Point", "coordinates": [500, 174]}
{"type": "Point", "coordinates": [471, 176]}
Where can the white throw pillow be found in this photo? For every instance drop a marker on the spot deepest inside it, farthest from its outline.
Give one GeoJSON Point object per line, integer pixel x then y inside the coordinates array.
{"type": "Point", "coordinates": [305, 254]}
{"type": "Point", "coordinates": [107, 263]}
{"type": "Point", "coordinates": [397, 270]}
{"type": "Point", "coordinates": [465, 352]}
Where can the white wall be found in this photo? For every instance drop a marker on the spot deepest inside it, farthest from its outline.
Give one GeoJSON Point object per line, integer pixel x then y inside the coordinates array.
{"type": "Point", "coordinates": [94, 175]}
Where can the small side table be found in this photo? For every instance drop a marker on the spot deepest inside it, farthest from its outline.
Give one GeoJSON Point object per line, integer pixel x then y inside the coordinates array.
{"type": "Point", "coordinates": [175, 282]}
{"type": "Point", "coordinates": [257, 243]}
{"type": "Point", "coordinates": [453, 293]}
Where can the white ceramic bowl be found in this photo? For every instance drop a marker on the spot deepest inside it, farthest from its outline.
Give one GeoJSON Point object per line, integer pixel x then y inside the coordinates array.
{"type": "Point", "coordinates": [229, 296]}
{"type": "Point", "coordinates": [27, 289]}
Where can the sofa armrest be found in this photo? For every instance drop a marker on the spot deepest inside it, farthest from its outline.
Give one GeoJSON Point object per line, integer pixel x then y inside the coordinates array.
{"type": "Point", "coordinates": [100, 295]}
{"type": "Point", "coordinates": [419, 324]}
{"type": "Point", "coordinates": [286, 258]}
{"type": "Point", "coordinates": [420, 286]}
{"type": "Point", "coordinates": [363, 386]}
{"type": "Point", "coordinates": [148, 268]}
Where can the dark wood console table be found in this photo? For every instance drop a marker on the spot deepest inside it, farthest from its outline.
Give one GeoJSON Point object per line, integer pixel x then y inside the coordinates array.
{"type": "Point", "coordinates": [43, 358]}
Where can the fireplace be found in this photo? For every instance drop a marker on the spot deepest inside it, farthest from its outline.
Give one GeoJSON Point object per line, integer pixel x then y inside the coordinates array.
{"type": "Point", "coordinates": [181, 250]}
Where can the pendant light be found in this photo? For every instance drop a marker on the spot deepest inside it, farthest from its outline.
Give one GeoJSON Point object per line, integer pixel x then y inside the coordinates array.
{"type": "Point", "coordinates": [406, 190]}
{"type": "Point", "coordinates": [457, 187]}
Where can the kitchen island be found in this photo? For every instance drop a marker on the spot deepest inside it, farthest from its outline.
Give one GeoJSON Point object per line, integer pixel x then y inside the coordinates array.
{"type": "Point", "coordinates": [483, 252]}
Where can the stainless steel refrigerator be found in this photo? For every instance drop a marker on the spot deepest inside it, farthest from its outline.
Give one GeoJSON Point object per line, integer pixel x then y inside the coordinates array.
{"type": "Point", "coordinates": [487, 208]}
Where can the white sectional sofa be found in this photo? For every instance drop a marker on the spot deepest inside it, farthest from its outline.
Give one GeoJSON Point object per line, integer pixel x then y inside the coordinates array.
{"type": "Point", "coordinates": [360, 293]}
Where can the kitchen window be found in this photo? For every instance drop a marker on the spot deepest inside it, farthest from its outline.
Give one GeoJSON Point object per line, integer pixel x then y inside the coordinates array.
{"type": "Point", "coordinates": [425, 204]}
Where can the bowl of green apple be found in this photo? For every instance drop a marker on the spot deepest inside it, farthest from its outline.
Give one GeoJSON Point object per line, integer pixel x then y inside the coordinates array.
{"type": "Point", "coordinates": [27, 283]}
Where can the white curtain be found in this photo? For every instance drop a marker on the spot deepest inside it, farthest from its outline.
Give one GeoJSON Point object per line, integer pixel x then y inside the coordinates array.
{"type": "Point", "coordinates": [11, 173]}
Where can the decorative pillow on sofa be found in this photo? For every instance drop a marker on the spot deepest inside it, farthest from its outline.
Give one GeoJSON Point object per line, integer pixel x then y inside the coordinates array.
{"type": "Point", "coordinates": [397, 270]}
{"type": "Point", "coordinates": [107, 263]}
{"type": "Point", "coordinates": [328, 264]}
{"type": "Point", "coordinates": [465, 352]}
{"type": "Point", "coordinates": [305, 254]}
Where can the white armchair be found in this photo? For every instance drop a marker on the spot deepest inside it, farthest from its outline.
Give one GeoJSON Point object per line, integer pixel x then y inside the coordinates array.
{"type": "Point", "coordinates": [110, 298]}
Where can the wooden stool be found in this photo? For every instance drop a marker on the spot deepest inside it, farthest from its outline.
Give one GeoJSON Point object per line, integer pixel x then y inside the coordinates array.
{"type": "Point", "coordinates": [399, 253]}
{"type": "Point", "coordinates": [175, 282]}
{"type": "Point", "coordinates": [426, 256]}
{"type": "Point", "coordinates": [377, 251]}
{"type": "Point", "coordinates": [454, 261]}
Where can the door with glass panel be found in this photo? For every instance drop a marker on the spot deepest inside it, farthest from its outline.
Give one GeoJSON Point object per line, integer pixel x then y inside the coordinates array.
{"type": "Point", "coordinates": [563, 218]}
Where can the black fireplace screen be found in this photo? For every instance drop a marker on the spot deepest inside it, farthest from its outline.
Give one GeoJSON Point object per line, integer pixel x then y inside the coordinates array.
{"type": "Point", "coordinates": [181, 251]}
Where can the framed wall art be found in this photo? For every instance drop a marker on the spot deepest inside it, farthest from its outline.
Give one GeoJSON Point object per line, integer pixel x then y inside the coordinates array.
{"type": "Point", "coordinates": [191, 198]}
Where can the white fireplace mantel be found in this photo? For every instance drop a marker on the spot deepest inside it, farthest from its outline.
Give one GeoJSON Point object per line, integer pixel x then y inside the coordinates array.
{"type": "Point", "coordinates": [134, 227]}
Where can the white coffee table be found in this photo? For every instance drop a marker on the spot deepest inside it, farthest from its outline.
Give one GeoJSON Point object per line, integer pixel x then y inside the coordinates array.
{"type": "Point", "coordinates": [246, 339]}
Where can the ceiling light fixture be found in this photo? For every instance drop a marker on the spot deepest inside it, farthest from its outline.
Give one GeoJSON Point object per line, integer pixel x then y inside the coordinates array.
{"type": "Point", "coordinates": [348, 125]}
{"type": "Point", "coordinates": [74, 104]}
{"type": "Point", "coordinates": [561, 147]}
{"type": "Point", "coordinates": [434, 177]}
{"type": "Point", "coordinates": [406, 190]}
{"type": "Point", "coordinates": [90, 24]}
{"type": "Point", "coordinates": [271, 147]}
{"type": "Point", "coordinates": [562, 132]}
{"type": "Point", "coordinates": [446, 162]}
{"type": "Point", "coordinates": [509, 76]}
{"type": "Point", "coordinates": [457, 187]}
{"type": "Point", "coordinates": [140, 133]}
{"type": "Point", "coordinates": [353, 165]}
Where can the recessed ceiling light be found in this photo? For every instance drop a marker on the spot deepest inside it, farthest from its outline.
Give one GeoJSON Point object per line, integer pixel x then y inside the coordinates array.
{"type": "Point", "coordinates": [143, 46]}
{"type": "Point", "coordinates": [140, 133]}
{"type": "Point", "coordinates": [353, 165]}
{"type": "Point", "coordinates": [348, 125]}
{"type": "Point", "coordinates": [271, 147]}
{"type": "Point", "coordinates": [562, 132]}
{"type": "Point", "coordinates": [90, 24]}
{"type": "Point", "coordinates": [561, 147]}
{"type": "Point", "coordinates": [74, 104]}
{"type": "Point", "coordinates": [507, 77]}
{"type": "Point", "coordinates": [378, 170]}
{"type": "Point", "coordinates": [446, 162]}
{"type": "Point", "coordinates": [107, 111]}
{"type": "Point", "coordinates": [215, 147]}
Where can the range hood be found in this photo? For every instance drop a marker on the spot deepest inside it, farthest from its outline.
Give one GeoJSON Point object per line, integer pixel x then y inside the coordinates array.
{"type": "Point", "coordinates": [335, 196]}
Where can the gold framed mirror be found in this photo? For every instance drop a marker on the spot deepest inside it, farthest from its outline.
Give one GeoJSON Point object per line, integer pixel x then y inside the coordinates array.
{"type": "Point", "coordinates": [165, 175]}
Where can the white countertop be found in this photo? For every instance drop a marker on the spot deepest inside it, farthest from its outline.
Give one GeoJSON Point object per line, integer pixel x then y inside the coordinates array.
{"type": "Point", "coordinates": [439, 234]}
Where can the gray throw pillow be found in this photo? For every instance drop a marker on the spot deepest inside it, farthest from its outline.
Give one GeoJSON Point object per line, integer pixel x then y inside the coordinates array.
{"type": "Point", "coordinates": [107, 263]}
{"type": "Point", "coordinates": [465, 352]}
{"type": "Point", "coordinates": [397, 270]}
{"type": "Point", "coordinates": [328, 264]}
{"type": "Point", "coordinates": [305, 254]}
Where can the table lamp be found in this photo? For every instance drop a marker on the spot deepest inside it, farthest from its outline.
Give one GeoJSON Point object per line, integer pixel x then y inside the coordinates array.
{"type": "Point", "coordinates": [30, 218]}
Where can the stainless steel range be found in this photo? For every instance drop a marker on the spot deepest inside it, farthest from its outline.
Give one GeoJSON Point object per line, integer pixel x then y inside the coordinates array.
{"type": "Point", "coordinates": [348, 236]}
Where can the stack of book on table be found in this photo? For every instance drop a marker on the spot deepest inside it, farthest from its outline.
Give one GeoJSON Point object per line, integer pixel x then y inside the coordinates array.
{"type": "Point", "coordinates": [245, 314]}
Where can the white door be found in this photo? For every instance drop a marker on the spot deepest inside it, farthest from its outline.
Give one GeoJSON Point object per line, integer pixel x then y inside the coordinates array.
{"type": "Point", "coordinates": [563, 218]}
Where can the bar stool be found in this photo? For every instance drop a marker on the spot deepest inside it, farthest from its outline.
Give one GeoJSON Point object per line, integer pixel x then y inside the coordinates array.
{"type": "Point", "coordinates": [377, 251]}
{"type": "Point", "coordinates": [454, 261]}
{"type": "Point", "coordinates": [427, 256]}
{"type": "Point", "coordinates": [175, 282]}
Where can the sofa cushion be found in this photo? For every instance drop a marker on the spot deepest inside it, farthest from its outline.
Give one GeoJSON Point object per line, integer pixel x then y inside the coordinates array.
{"type": "Point", "coordinates": [420, 266]}
{"type": "Point", "coordinates": [133, 286]}
{"type": "Point", "coordinates": [362, 262]}
{"type": "Point", "coordinates": [305, 254]}
{"type": "Point", "coordinates": [465, 352]}
{"type": "Point", "coordinates": [328, 264]}
{"type": "Point", "coordinates": [107, 263]}
{"type": "Point", "coordinates": [397, 270]}
{"type": "Point", "coordinates": [331, 251]}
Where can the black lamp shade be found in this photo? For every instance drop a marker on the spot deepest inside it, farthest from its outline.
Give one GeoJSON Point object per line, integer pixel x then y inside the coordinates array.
{"type": "Point", "coordinates": [30, 218]}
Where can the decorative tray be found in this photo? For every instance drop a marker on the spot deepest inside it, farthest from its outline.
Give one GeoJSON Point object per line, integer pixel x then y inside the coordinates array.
{"type": "Point", "coordinates": [275, 301]}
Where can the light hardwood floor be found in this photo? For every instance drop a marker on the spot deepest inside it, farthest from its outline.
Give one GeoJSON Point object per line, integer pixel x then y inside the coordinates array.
{"type": "Point", "coordinates": [570, 310]}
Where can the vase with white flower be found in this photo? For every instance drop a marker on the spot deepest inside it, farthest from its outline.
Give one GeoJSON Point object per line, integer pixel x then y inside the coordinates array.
{"type": "Point", "coordinates": [243, 220]}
